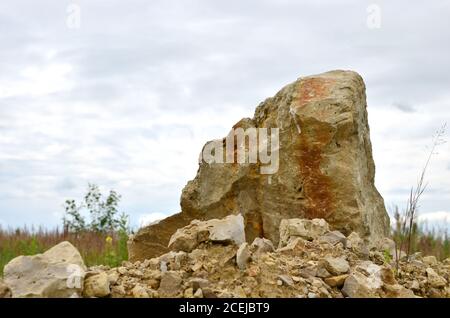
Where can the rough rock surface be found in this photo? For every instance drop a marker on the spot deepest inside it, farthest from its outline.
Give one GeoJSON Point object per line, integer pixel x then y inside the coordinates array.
{"type": "Point", "coordinates": [326, 169]}
{"type": "Point", "coordinates": [306, 229]}
{"type": "Point", "coordinates": [302, 268]}
{"type": "Point", "coordinates": [97, 285]}
{"type": "Point", "coordinates": [227, 230]}
{"type": "Point", "coordinates": [243, 255]}
{"type": "Point", "coordinates": [5, 291]}
{"type": "Point", "coordinates": [59, 272]}
{"type": "Point", "coordinates": [262, 245]}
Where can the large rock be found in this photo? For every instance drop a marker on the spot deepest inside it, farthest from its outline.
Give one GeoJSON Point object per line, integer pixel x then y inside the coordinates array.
{"type": "Point", "coordinates": [325, 168]}
{"type": "Point", "coordinates": [59, 272]}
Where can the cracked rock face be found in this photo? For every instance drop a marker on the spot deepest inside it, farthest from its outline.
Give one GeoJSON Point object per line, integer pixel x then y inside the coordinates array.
{"type": "Point", "coordinates": [325, 169]}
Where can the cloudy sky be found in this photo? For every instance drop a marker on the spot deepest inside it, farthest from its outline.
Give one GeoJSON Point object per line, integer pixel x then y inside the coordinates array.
{"type": "Point", "coordinates": [125, 93]}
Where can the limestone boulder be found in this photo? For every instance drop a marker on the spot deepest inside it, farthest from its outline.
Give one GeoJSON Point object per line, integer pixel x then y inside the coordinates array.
{"type": "Point", "coordinates": [321, 167]}
{"type": "Point", "coordinates": [59, 272]}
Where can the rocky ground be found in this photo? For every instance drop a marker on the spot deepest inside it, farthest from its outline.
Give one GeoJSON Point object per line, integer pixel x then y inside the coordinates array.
{"type": "Point", "coordinates": [212, 259]}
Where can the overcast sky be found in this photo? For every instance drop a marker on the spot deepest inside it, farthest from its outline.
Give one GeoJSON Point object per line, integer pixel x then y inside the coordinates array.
{"type": "Point", "coordinates": [126, 95]}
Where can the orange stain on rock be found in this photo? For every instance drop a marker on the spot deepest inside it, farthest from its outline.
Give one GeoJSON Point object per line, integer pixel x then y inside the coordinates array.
{"type": "Point", "coordinates": [313, 89]}
{"type": "Point", "coordinates": [316, 185]}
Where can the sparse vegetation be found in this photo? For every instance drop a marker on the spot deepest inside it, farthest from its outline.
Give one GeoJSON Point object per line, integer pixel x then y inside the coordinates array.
{"type": "Point", "coordinates": [103, 213]}
{"type": "Point", "coordinates": [95, 248]}
{"type": "Point", "coordinates": [428, 241]}
{"type": "Point", "coordinates": [408, 236]}
{"type": "Point", "coordinates": [101, 239]}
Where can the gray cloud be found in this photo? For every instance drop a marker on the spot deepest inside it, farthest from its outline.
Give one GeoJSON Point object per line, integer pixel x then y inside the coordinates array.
{"type": "Point", "coordinates": [128, 99]}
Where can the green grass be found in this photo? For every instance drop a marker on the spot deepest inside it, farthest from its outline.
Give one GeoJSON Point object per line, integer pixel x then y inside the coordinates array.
{"type": "Point", "coordinates": [425, 240]}
{"type": "Point", "coordinates": [95, 248]}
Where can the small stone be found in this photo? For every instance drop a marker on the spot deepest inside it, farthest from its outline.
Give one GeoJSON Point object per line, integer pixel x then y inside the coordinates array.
{"type": "Point", "coordinates": [296, 279]}
{"type": "Point", "coordinates": [240, 292]}
{"type": "Point", "coordinates": [322, 272]}
{"type": "Point", "coordinates": [430, 260]}
{"type": "Point", "coordinates": [414, 285]}
{"type": "Point", "coordinates": [387, 245]}
{"type": "Point", "coordinates": [336, 265]}
{"type": "Point", "coordinates": [118, 291]}
{"type": "Point", "coordinates": [122, 270]}
{"type": "Point", "coordinates": [197, 282]}
{"type": "Point", "coordinates": [323, 292]}
{"type": "Point", "coordinates": [196, 267]}
{"type": "Point", "coordinates": [139, 292]}
{"type": "Point", "coordinates": [397, 291]}
{"type": "Point", "coordinates": [333, 238]}
{"type": "Point", "coordinates": [153, 283]}
{"type": "Point", "coordinates": [262, 245]}
{"type": "Point", "coordinates": [279, 282]}
{"type": "Point", "coordinates": [253, 271]}
{"type": "Point", "coordinates": [135, 273]}
{"type": "Point", "coordinates": [170, 285]}
{"type": "Point", "coordinates": [304, 228]}
{"type": "Point", "coordinates": [113, 277]}
{"type": "Point", "coordinates": [189, 293]}
{"type": "Point", "coordinates": [317, 283]}
{"type": "Point", "coordinates": [336, 281]}
{"type": "Point", "coordinates": [5, 291]}
{"type": "Point", "coordinates": [417, 256]}
{"type": "Point", "coordinates": [312, 295]}
{"type": "Point", "coordinates": [163, 266]}
{"type": "Point", "coordinates": [357, 245]}
{"type": "Point", "coordinates": [243, 255]}
{"type": "Point", "coordinates": [208, 293]}
{"type": "Point", "coordinates": [229, 230]}
{"type": "Point", "coordinates": [307, 272]}
{"type": "Point", "coordinates": [359, 286]}
{"type": "Point", "coordinates": [286, 280]}
{"type": "Point", "coordinates": [198, 293]}
{"type": "Point", "coordinates": [97, 286]}
{"type": "Point", "coordinates": [434, 279]}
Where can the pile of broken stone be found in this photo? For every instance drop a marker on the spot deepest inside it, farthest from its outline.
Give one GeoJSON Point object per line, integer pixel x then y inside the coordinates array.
{"type": "Point", "coordinates": [211, 259]}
